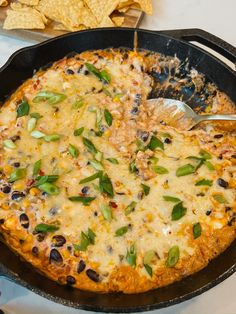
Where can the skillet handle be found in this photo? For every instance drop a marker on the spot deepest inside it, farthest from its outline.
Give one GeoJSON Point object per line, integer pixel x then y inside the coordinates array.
{"type": "Point", "coordinates": [194, 34]}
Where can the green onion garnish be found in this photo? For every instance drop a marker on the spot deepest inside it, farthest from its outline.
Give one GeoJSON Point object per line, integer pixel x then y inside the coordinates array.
{"type": "Point", "coordinates": [149, 256]}
{"type": "Point", "coordinates": [204, 182]}
{"type": "Point", "coordinates": [113, 161]}
{"type": "Point", "coordinates": [23, 109]}
{"type": "Point", "coordinates": [49, 188]}
{"type": "Point", "coordinates": [37, 167]}
{"type": "Point", "coordinates": [48, 178]}
{"type": "Point", "coordinates": [35, 115]}
{"type": "Point", "coordinates": [105, 185]}
{"type": "Point", "coordinates": [73, 151]}
{"type": "Point", "coordinates": [130, 208]}
{"type": "Point", "coordinates": [31, 124]}
{"type": "Point", "coordinates": [121, 231]}
{"type": "Point", "coordinates": [18, 174]}
{"type": "Point", "coordinates": [90, 146]}
{"type": "Point", "coordinates": [102, 76]}
{"type": "Point", "coordinates": [173, 256]}
{"type": "Point", "coordinates": [79, 131]}
{"type": "Point", "coordinates": [9, 144]}
{"type": "Point", "coordinates": [205, 155]}
{"type": "Point", "coordinates": [85, 240]}
{"type": "Point", "coordinates": [148, 269]}
{"type": "Point", "coordinates": [197, 230]}
{"type": "Point", "coordinates": [171, 199]}
{"type": "Point", "coordinates": [106, 212]}
{"type": "Point", "coordinates": [185, 170]}
{"type": "Point", "coordinates": [78, 104]}
{"type": "Point", "coordinates": [82, 199]}
{"type": "Point", "coordinates": [37, 134]}
{"type": "Point", "coordinates": [155, 143]}
{"type": "Point", "coordinates": [51, 138]}
{"type": "Point", "coordinates": [178, 211]}
{"type": "Point", "coordinates": [146, 189]}
{"type": "Point", "coordinates": [51, 97]}
{"type": "Point", "coordinates": [108, 117]}
{"type": "Point", "coordinates": [160, 170]}
{"type": "Point", "coordinates": [131, 256]}
{"type": "Point", "coordinates": [209, 165]}
{"type": "Point", "coordinates": [91, 178]}
{"type": "Point", "coordinates": [220, 199]}
{"type": "Point", "coordinates": [96, 165]}
{"type": "Point", "coordinates": [46, 228]}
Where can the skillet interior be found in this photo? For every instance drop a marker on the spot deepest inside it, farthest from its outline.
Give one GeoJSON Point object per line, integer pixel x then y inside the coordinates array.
{"type": "Point", "coordinates": [21, 67]}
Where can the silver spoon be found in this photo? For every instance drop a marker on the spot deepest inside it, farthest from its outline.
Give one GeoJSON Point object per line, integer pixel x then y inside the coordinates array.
{"type": "Point", "coordinates": [178, 114]}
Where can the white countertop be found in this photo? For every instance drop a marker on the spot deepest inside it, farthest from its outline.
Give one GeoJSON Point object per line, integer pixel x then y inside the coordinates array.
{"type": "Point", "coordinates": [215, 16]}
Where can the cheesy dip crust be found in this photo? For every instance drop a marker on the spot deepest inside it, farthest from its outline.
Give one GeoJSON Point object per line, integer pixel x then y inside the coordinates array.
{"type": "Point", "coordinates": [96, 192]}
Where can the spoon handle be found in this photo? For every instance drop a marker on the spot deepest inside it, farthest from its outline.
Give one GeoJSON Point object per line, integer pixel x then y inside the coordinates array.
{"type": "Point", "coordinates": [225, 117]}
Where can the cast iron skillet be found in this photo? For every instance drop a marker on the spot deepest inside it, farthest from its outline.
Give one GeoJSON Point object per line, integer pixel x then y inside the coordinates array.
{"type": "Point", "coordinates": [22, 65]}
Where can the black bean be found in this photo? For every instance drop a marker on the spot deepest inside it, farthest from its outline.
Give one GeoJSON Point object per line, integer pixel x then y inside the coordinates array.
{"type": "Point", "coordinates": [41, 237]}
{"type": "Point", "coordinates": [227, 209]}
{"type": "Point", "coordinates": [17, 195]}
{"type": "Point", "coordinates": [85, 190]}
{"type": "Point", "coordinates": [93, 275]}
{"type": "Point", "coordinates": [21, 241]}
{"type": "Point", "coordinates": [24, 220]}
{"type": "Point", "coordinates": [134, 111]}
{"type": "Point", "coordinates": [221, 182]}
{"type": "Point", "coordinates": [233, 156]}
{"type": "Point", "coordinates": [80, 68]}
{"type": "Point", "coordinates": [81, 266]}
{"type": "Point", "coordinates": [15, 138]}
{"type": "Point", "coordinates": [69, 248]}
{"type": "Point", "coordinates": [55, 256]}
{"type": "Point", "coordinates": [69, 71]}
{"type": "Point", "coordinates": [218, 135]}
{"type": "Point", "coordinates": [58, 240]}
{"type": "Point", "coordinates": [109, 249]}
{"type": "Point", "coordinates": [16, 164]}
{"type": "Point", "coordinates": [138, 99]}
{"type": "Point", "coordinates": [208, 212]}
{"type": "Point", "coordinates": [2, 221]}
{"type": "Point", "coordinates": [6, 189]}
{"type": "Point", "coordinates": [167, 141]}
{"type": "Point", "coordinates": [70, 280]}
{"type": "Point", "coordinates": [125, 56]}
{"type": "Point", "coordinates": [86, 72]}
{"type": "Point", "coordinates": [53, 211]}
{"type": "Point", "coordinates": [131, 67]}
{"type": "Point", "coordinates": [231, 221]}
{"type": "Point", "coordinates": [95, 214]}
{"type": "Point", "coordinates": [35, 251]}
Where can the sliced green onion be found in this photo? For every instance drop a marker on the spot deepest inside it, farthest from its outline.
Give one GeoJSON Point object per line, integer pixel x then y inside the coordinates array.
{"type": "Point", "coordinates": [51, 97]}
{"type": "Point", "coordinates": [132, 167]}
{"type": "Point", "coordinates": [178, 211]}
{"type": "Point", "coordinates": [131, 256]}
{"type": "Point", "coordinates": [85, 240]}
{"type": "Point", "coordinates": [204, 182]}
{"type": "Point", "coordinates": [185, 170]}
{"type": "Point", "coordinates": [37, 134]}
{"type": "Point", "coordinates": [9, 144]}
{"type": "Point", "coordinates": [205, 155]}
{"type": "Point", "coordinates": [108, 117]}
{"type": "Point", "coordinates": [79, 131]}
{"type": "Point", "coordinates": [160, 170]}
{"type": "Point", "coordinates": [155, 143]}
{"type": "Point", "coordinates": [35, 115]}
{"type": "Point", "coordinates": [121, 231]}
{"type": "Point", "coordinates": [37, 167]}
{"type": "Point", "coordinates": [173, 256]}
{"type": "Point", "coordinates": [146, 189]}
{"type": "Point", "coordinates": [96, 165]}
{"type": "Point", "coordinates": [73, 151]}
{"type": "Point", "coordinates": [171, 199]}
{"type": "Point", "coordinates": [149, 256]}
{"type": "Point", "coordinates": [113, 161]}
{"type": "Point", "coordinates": [31, 124]}
{"type": "Point", "coordinates": [46, 228]}
{"type": "Point", "coordinates": [197, 230]}
{"type": "Point", "coordinates": [140, 145]}
{"type": "Point", "coordinates": [105, 185]}
{"type": "Point", "coordinates": [105, 76]}
{"type": "Point", "coordinates": [51, 138]}
{"type": "Point", "coordinates": [102, 76]}
{"type": "Point", "coordinates": [106, 92]}
{"type": "Point", "coordinates": [90, 146]}
{"type": "Point", "coordinates": [220, 199]}
{"type": "Point", "coordinates": [23, 109]}
{"type": "Point", "coordinates": [148, 269]}
{"type": "Point", "coordinates": [91, 178]}
{"type": "Point", "coordinates": [91, 236]}
{"type": "Point", "coordinates": [106, 212]}
{"type": "Point", "coordinates": [48, 178]}
{"type": "Point", "coordinates": [209, 165]}
{"type": "Point", "coordinates": [82, 199]}
{"type": "Point", "coordinates": [130, 208]}
{"type": "Point", "coordinates": [17, 174]}
{"type": "Point", "coordinates": [153, 160]}
{"type": "Point", "coordinates": [49, 188]}
{"type": "Point", "coordinates": [78, 104]}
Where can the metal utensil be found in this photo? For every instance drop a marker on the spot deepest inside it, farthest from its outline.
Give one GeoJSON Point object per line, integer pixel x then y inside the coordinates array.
{"type": "Point", "coordinates": [178, 114]}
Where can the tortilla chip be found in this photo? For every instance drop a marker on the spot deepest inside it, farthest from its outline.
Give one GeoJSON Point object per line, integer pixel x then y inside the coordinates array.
{"type": "Point", "coordinates": [61, 27]}
{"type": "Point", "coordinates": [70, 13]}
{"type": "Point", "coordinates": [102, 8]}
{"type": "Point", "coordinates": [118, 20]}
{"type": "Point", "coordinates": [145, 5]}
{"type": "Point", "coordinates": [27, 18]}
{"type": "Point", "coordinates": [29, 2]}
{"type": "Point", "coordinates": [3, 3]}
{"type": "Point", "coordinates": [106, 22]}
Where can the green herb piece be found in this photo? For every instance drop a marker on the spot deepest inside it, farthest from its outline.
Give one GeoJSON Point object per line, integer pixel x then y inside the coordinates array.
{"type": "Point", "coordinates": [31, 124]}
{"type": "Point", "coordinates": [148, 269]}
{"type": "Point", "coordinates": [85, 240]}
{"type": "Point", "coordinates": [49, 188]}
{"type": "Point", "coordinates": [160, 170]}
{"type": "Point", "coordinates": [49, 178]}
{"type": "Point", "coordinates": [99, 156]}
{"type": "Point", "coordinates": [173, 256]}
{"type": "Point", "coordinates": [82, 199]}
{"type": "Point", "coordinates": [17, 174]}
{"type": "Point", "coordinates": [121, 231]}
{"type": "Point", "coordinates": [155, 143]}
{"type": "Point", "coordinates": [51, 97]}
{"type": "Point", "coordinates": [204, 182]}
{"type": "Point", "coordinates": [153, 160]}
{"type": "Point", "coordinates": [209, 165]}
{"type": "Point", "coordinates": [73, 151]}
{"type": "Point", "coordinates": [105, 76]}
{"type": "Point", "coordinates": [46, 228]}
{"type": "Point", "coordinates": [108, 117]}
{"type": "Point", "coordinates": [130, 208]}
{"type": "Point", "coordinates": [102, 76]}
{"type": "Point", "coordinates": [90, 146]}
{"type": "Point", "coordinates": [220, 199]}
{"type": "Point", "coordinates": [37, 134]}
{"type": "Point", "coordinates": [166, 135]}
{"type": "Point", "coordinates": [140, 145]}
{"type": "Point", "coordinates": [106, 92]}
{"type": "Point", "coordinates": [35, 115]}
{"type": "Point", "coordinates": [113, 161]}
{"type": "Point", "coordinates": [131, 256]}
{"type": "Point", "coordinates": [9, 144]}
{"type": "Point", "coordinates": [79, 131]}
{"type": "Point", "coordinates": [197, 230]}
{"type": "Point", "coordinates": [105, 185]}
{"type": "Point", "coordinates": [205, 155]}
{"type": "Point", "coordinates": [178, 211]}
{"type": "Point", "coordinates": [37, 167]}
{"type": "Point", "coordinates": [98, 117]}
{"type": "Point", "coordinates": [149, 256]}
{"type": "Point", "coordinates": [78, 104]}
{"type": "Point", "coordinates": [171, 199]}
{"type": "Point", "coordinates": [106, 212]}
{"type": "Point", "coordinates": [23, 109]}
{"type": "Point", "coordinates": [185, 170]}
{"type": "Point", "coordinates": [91, 235]}
{"type": "Point", "coordinates": [51, 138]}
{"type": "Point", "coordinates": [132, 167]}
{"type": "Point", "coordinates": [91, 178]}
{"type": "Point", "coordinates": [96, 165]}
{"type": "Point", "coordinates": [146, 189]}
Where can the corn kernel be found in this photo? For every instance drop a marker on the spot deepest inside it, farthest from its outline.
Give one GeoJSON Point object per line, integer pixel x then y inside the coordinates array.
{"type": "Point", "coordinates": [149, 217]}
{"type": "Point", "coordinates": [7, 169]}
{"type": "Point", "coordinates": [34, 191]}
{"type": "Point", "coordinates": [26, 203]}
{"type": "Point", "coordinates": [107, 133]}
{"type": "Point", "coordinates": [66, 254]}
{"type": "Point", "coordinates": [5, 206]}
{"type": "Point", "coordinates": [18, 186]}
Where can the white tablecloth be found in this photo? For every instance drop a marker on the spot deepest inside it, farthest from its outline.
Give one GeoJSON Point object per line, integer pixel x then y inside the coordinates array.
{"type": "Point", "coordinates": [215, 16]}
